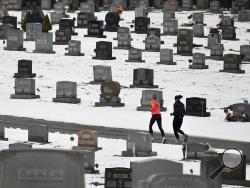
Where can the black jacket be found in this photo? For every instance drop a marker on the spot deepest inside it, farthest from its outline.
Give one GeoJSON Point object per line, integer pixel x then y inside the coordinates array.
{"type": "Point", "coordinates": [179, 109]}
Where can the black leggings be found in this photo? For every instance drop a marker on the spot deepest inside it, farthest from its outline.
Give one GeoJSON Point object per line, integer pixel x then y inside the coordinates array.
{"type": "Point", "coordinates": [156, 118]}
{"type": "Point", "coordinates": [177, 122]}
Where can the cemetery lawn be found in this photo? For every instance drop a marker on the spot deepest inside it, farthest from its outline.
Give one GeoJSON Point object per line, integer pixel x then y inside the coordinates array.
{"type": "Point", "coordinates": [220, 89]}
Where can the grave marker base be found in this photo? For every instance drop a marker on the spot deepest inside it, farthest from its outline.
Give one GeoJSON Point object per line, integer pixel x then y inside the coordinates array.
{"type": "Point", "coordinates": [198, 66]}
{"type": "Point", "coordinates": [234, 71]}
{"type": "Point", "coordinates": [144, 86]}
{"type": "Point", "coordinates": [79, 54]}
{"type": "Point", "coordinates": [103, 104]}
{"type": "Point", "coordinates": [3, 139]}
{"type": "Point", "coordinates": [135, 61]}
{"type": "Point", "coordinates": [201, 36]}
{"type": "Point", "coordinates": [148, 108]}
{"type": "Point", "coordinates": [79, 148]}
{"type": "Point", "coordinates": [13, 96]}
{"type": "Point", "coordinates": [109, 58]}
{"type": "Point", "coordinates": [61, 43]}
{"type": "Point", "coordinates": [19, 75]}
{"type": "Point", "coordinates": [96, 36]}
{"type": "Point", "coordinates": [67, 100]}
{"type": "Point", "coordinates": [218, 57]}
{"type": "Point", "coordinates": [170, 34]}
{"type": "Point", "coordinates": [44, 52]}
{"type": "Point", "coordinates": [166, 63]}
{"type": "Point", "coordinates": [14, 49]}
{"type": "Point", "coordinates": [122, 47]}
{"type": "Point", "coordinates": [184, 54]}
{"type": "Point", "coordinates": [199, 114]}
{"type": "Point", "coordinates": [139, 32]}
{"type": "Point", "coordinates": [237, 182]}
{"type": "Point", "coordinates": [151, 50]}
{"type": "Point", "coordinates": [138, 154]}
{"type": "Point", "coordinates": [230, 39]}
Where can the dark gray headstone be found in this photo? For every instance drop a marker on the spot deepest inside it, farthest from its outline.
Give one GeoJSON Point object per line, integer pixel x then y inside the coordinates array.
{"type": "Point", "coordinates": [11, 20]}
{"type": "Point", "coordinates": [24, 69]}
{"type": "Point", "coordinates": [217, 51]}
{"type": "Point", "coordinates": [198, 61]}
{"type": "Point", "coordinates": [168, 15]}
{"type": "Point", "coordinates": [245, 51]}
{"type": "Point", "coordinates": [118, 177]}
{"type": "Point", "coordinates": [95, 29]}
{"type": "Point", "coordinates": [67, 24]}
{"type": "Point", "coordinates": [46, 4]}
{"type": "Point", "coordinates": [143, 78]}
{"type": "Point", "coordinates": [232, 64]}
{"type": "Point", "coordinates": [141, 12]}
{"type": "Point", "coordinates": [24, 89]}
{"type": "Point", "coordinates": [141, 25]}
{"type": "Point", "coordinates": [203, 4]}
{"type": "Point", "coordinates": [244, 16]}
{"type": "Point", "coordinates": [170, 27]}
{"type": "Point", "coordinates": [213, 39]}
{"type": "Point", "coordinates": [171, 5]}
{"type": "Point", "coordinates": [227, 21]}
{"type": "Point", "coordinates": [198, 30]}
{"type": "Point", "coordinates": [147, 99]}
{"type": "Point", "coordinates": [4, 30]}
{"type": "Point", "coordinates": [187, 5]}
{"type": "Point", "coordinates": [33, 30]}
{"type": "Point", "coordinates": [66, 92]}
{"type": "Point", "coordinates": [135, 55]}
{"type": "Point", "coordinates": [83, 19]}
{"type": "Point", "coordinates": [62, 37]}
{"type": "Point", "coordinates": [198, 17]}
{"type": "Point", "coordinates": [239, 109]}
{"type": "Point", "coordinates": [215, 6]}
{"type": "Point", "coordinates": [166, 57]}
{"type": "Point", "coordinates": [101, 73]}
{"type": "Point", "coordinates": [228, 33]}
{"type": "Point", "coordinates": [124, 41]}
{"type": "Point", "coordinates": [103, 50]}
{"type": "Point", "coordinates": [152, 43]}
{"type": "Point", "coordinates": [185, 42]}
{"type": "Point", "coordinates": [41, 168]}
{"type": "Point", "coordinates": [153, 166]}
{"type": "Point", "coordinates": [196, 107]}
{"type": "Point", "coordinates": [139, 144]}
{"type": "Point", "coordinates": [38, 133]}
{"type": "Point", "coordinates": [74, 48]}
{"type": "Point", "coordinates": [87, 7]}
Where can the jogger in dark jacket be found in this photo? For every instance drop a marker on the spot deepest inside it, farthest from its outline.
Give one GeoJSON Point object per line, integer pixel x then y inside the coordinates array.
{"type": "Point", "coordinates": [179, 112]}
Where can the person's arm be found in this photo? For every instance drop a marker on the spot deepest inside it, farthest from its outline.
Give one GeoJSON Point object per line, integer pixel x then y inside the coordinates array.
{"type": "Point", "coordinates": [176, 110]}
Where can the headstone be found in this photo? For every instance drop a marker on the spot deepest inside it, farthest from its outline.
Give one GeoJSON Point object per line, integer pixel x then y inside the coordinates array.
{"type": "Point", "coordinates": [47, 4]}
{"type": "Point", "coordinates": [216, 51]}
{"type": "Point", "coordinates": [67, 24]}
{"type": "Point", "coordinates": [144, 3]}
{"type": "Point", "coordinates": [3, 30]}
{"type": "Point", "coordinates": [227, 21]}
{"type": "Point", "coordinates": [66, 92]}
{"type": "Point", "coordinates": [215, 6]}
{"type": "Point", "coordinates": [170, 27]}
{"type": "Point", "coordinates": [74, 48]}
{"type": "Point", "coordinates": [58, 14]}
{"type": "Point", "coordinates": [33, 30]}
{"type": "Point", "coordinates": [147, 99]}
{"type": "Point", "coordinates": [229, 33]}
{"type": "Point", "coordinates": [185, 42]}
{"type": "Point", "coordinates": [133, 4]}
{"type": "Point", "coordinates": [30, 4]}
{"type": "Point", "coordinates": [72, 5]}
{"type": "Point", "coordinates": [139, 144]}
{"type": "Point", "coordinates": [198, 61]}
{"type": "Point", "coordinates": [152, 43]}
{"type": "Point", "coordinates": [203, 4]}
{"type": "Point", "coordinates": [196, 107]}
{"type": "Point", "coordinates": [232, 64]}
{"type": "Point", "coordinates": [164, 180]}
{"type": "Point", "coordinates": [15, 40]}
{"type": "Point", "coordinates": [87, 140]}
{"type": "Point", "coordinates": [245, 52]}
{"type": "Point", "coordinates": [19, 146]}
{"type": "Point", "coordinates": [197, 150]}
{"type": "Point", "coordinates": [135, 55]}
{"type": "Point", "coordinates": [103, 51]}
{"type": "Point", "coordinates": [44, 43]}
{"type": "Point", "coordinates": [213, 39]}
{"type": "Point", "coordinates": [107, 4]}
{"type": "Point", "coordinates": [158, 4]}
{"type": "Point", "coordinates": [122, 30]}
{"type": "Point", "coordinates": [198, 17]}
{"type": "Point", "coordinates": [95, 29]}
{"type": "Point", "coordinates": [166, 57]}
{"type": "Point", "coordinates": [88, 6]}
{"type": "Point", "coordinates": [239, 109]}
{"type": "Point", "coordinates": [124, 41]}
{"type": "Point", "coordinates": [24, 69]}
{"type": "Point", "coordinates": [112, 20]}
{"type": "Point", "coordinates": [168, 15]}
{"type": "Point", "coordinates": [83, 19]}
{"type": "Point", "coordinates": [41, 168]}
{"type": "Point", "coordinates": [14, 5]}
{"type": "Point", "coordinates": [2, 132]}
{"type": "Point", "coordinates": [208, 166]}
{"type": "Point", "coordinates": [101, 73]}
{"type": "Point", "coordinates": [198, 30]}
{"type": "Point", "coordinates": [171, 5]}
{"type": "Point", "coordinates": [88, 161]}
{"type": "Point", "coordinates": [141, 12]}
{"type": "Point", "coordinates": [62, 37]}
{"type": "Point", "coordinates": [118, 177]}
{"type": "Point", "coordinates": [109, 96]}
{"type": "Point", "coordinates": [24, 89]}
{"type": "Point", "coordinates": [244, 16]}
{"type": "Point", "coordinates": [154, 31]}
{"type": "Point", "coordinates": [153, 166]}
{"type": "Point", "coordinates": [38, 133]}
{"type": "Point", "coordinates": [143, 78]}
{"type": "Point", "coordinates": [187, 5]}
{"type": "Point", "coordinates": [11, 20]}
{"type": "Point", "coordinates": [141, 25]}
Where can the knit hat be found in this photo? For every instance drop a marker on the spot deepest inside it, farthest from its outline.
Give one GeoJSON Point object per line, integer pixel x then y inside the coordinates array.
{"type": "Point", "coordinates": [177, 97]}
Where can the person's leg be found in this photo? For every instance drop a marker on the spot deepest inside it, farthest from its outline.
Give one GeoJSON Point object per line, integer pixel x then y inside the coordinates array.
{"type": "Point", "coordinates": [152, 120]}
{"type": "Point", "coordinates": [159, 123]}
{"type": "Point", "coordinates": [175, 128]}
{"type": "Point", "coordinates": [180, 120]}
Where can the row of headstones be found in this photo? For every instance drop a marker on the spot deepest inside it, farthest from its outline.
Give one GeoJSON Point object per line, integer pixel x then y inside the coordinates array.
{"type": "Point", "coordinates": [139, 144]}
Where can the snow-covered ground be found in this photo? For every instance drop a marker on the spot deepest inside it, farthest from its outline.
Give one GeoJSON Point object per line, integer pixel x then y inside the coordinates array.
{"type": "Point", "coordinates": [220, 89]}
{"type": "Point", "coordinates": [109, 156]}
